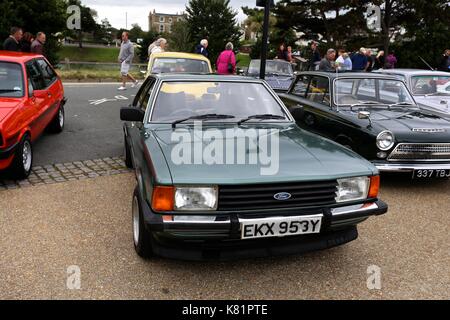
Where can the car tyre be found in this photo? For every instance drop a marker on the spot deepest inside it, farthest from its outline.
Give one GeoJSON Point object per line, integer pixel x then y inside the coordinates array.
{"type": "Point", "coordinates": [128, 160]}
{"type": "Point", "coordinates": [23, 159]}
{"type": "Point", "coordinates": [142, 238]}
{"type": "Point", "coordinates": [57, 124]}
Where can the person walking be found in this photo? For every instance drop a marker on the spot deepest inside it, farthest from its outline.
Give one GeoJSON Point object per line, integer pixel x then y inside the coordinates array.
{"type": "Point", "coordinates": [327, 64]}
{"type": "Point", "coordinates": [126, 56]}
{"type": "Point", "coordinates": [25, 43]}
{"type": "Point", "coordinates": [343, 62]}
{"type": "Point", "coordinates": [379, 61]}
{"type": "Point", "coordinates": [202, 48]}
{"type": "Point", "coordinates": [290, 57]}
{"type": "Point", "coordinates": [12, 43]}
{"type": "Point", "coordinates": [37, 47]}
{"type": "Point", "coordinates": [359, 60]}
{"type": "Point", "coordinates": [226, 62]}
{"type": "Point", "coordinates": [391, 61]}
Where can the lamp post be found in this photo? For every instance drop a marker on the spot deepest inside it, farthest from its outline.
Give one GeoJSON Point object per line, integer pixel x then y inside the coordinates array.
{"type": "Point", "coordinates": [266, 4]}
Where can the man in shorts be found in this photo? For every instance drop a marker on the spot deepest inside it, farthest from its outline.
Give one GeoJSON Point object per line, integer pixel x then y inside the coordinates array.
{"type": "Point", "coordinates": [126, 59]}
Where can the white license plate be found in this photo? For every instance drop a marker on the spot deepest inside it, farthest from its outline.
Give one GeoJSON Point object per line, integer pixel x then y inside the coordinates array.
{"type": "Point", "coordinates": [280, 227]}
{"type": "Point", "coordinates": [430, 174]}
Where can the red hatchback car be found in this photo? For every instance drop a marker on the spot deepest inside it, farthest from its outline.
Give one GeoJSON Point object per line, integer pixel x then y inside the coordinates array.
{"type": "Point", "coordinates": [31, 100]}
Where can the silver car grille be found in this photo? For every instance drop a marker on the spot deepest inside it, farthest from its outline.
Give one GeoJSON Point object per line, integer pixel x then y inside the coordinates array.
{"type": "Point", "coordinates": [421, 152]}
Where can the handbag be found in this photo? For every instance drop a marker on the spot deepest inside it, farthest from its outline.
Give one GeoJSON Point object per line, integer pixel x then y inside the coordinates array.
{"type": "Point", "coordinates": [230, 65]}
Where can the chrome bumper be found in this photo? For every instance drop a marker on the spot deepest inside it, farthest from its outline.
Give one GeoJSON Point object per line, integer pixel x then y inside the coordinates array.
{"type": "Point", "coordinates": [339, 217]}
{"type": "Point", "coordinates": [410, 167]}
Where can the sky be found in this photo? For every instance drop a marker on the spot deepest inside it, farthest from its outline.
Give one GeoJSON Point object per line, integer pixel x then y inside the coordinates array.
{"type": "Point", "coordinates": [138, 10]}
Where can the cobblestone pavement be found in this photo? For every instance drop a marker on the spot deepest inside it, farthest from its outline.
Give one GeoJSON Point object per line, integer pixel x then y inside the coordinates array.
{"type": "Point", "coordinates": [72, 171]}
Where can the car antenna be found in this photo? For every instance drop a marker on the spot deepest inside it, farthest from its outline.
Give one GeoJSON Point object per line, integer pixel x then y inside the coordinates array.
{"type": "Point", "coordinates": [424, 61]}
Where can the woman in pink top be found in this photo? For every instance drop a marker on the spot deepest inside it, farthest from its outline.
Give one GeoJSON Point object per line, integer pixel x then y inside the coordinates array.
{"type": "Point", "coordinates": [226, 63]}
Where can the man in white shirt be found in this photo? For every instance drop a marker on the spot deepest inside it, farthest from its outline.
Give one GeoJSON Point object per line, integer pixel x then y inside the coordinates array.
{"type": "Point", "coordinates": [126, 56]}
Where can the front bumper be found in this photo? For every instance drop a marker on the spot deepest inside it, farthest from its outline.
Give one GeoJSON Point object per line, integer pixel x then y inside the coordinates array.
{"type": "Point", "coordinates": [410, 167]}
{"type": "Point", "coordinates": [221, 239]}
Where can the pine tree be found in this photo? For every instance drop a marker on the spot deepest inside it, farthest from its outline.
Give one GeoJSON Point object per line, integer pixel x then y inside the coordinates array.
{"type": "Point", "coordinates": [214, 20]}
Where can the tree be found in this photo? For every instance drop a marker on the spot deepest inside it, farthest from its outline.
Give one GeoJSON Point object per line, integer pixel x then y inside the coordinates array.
{"type": "Point", "coordinates": [30, 16]}
{"type": "Point", "coordinates": [334, 22]}
{"type": "Point", "coordinates": [255, 20]}
{"type": "Point", "coordinates": [214, 20]}
{"type": "Point", "coordinates": [136, 32]}
{"type": "Point", "coordinates": [180, 38]}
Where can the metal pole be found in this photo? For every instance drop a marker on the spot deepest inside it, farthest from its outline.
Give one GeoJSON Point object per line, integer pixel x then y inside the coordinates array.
{"type": "Point", "coordinates": [265, 39]}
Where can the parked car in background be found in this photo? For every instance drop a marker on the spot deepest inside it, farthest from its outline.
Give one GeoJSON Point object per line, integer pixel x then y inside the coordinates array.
{"type": "Point", "coordinates": [376, 116]}
{"type": "Point", "coordinates": [431, 89]}
{"type": "Point", "coordinates": [31, 100]}
{"type": "Point", "coordinates": [195, 209]}
{"type": "Point", "coordinates": [279, 73]}
{"type": "Point", "coordinates": [178, 62]}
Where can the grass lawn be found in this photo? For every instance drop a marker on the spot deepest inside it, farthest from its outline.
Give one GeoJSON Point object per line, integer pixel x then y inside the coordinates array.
{"type": "Point", "coordinates": [243, 60]}
{"type": "Point", "coordinates": [93, 75]}
{"type": "Point", "coordinates": [89, 54]}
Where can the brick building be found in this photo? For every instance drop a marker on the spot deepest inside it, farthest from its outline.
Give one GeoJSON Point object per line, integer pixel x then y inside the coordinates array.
{"type": "Point", "coordinates": [162, 22]}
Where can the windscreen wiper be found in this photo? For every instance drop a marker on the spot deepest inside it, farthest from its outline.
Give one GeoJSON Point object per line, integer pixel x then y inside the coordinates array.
{"type": "Point", "coordinates": [9, 90]}
{"type": "Point", "coordinates": [262, 117]}
{"type": "Point", "coordinates": [211, 116]}
{"type": "Point", "coordinates": [399, 104]}
{"type": "Point", "coordinates": [367, 103]}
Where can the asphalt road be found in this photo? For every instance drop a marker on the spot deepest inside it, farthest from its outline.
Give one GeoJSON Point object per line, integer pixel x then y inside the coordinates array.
{"type": "Point", "coordinates": [92, 131]}
{"type": "Point", "coordinates": [87, 224]}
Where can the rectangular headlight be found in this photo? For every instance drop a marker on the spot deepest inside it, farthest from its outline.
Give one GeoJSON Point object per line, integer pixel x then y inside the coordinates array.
{"type": "Point", "coordinates": [352, 189]}
{"type": "Point", "coordinates": [196, 198]}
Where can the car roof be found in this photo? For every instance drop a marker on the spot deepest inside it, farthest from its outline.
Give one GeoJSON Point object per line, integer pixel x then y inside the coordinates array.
{"type": "Point", "coordinates": [349, 74]}
{"type": "Point", "coordinates": [180, 55]}
{"type": "Point", "coordinates": [271, 60]}
{"type": "Point", "coordinates": [10, 56]}
{"type": "Point", "coordinates": [414, 72]}
{"type": "Point", "coordinates": [201, 77]}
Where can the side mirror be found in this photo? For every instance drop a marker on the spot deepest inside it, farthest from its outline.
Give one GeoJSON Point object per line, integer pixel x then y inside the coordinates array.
{"type": "Point", "coordinates": [132, 114]}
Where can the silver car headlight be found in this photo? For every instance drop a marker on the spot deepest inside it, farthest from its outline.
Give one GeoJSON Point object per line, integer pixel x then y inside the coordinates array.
{"type": "Point", "coordinates": [385, 140]}
{"type": "Point", "coordinates": [352, 189]}
{"type": "Point", "coordinates": [196, 198]}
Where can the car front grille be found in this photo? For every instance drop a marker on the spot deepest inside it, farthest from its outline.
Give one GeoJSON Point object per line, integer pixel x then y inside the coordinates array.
{"type": "Point", "coordinates": [421, 152]}
{"type": "Point", "coordinates": [254, 197]}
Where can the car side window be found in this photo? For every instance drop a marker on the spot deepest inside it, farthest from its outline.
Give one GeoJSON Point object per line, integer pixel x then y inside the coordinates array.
{"type": "Point", "coordinates": [35, 76]}
{"type": "Point", "coordinates": [47, 72]}
{"type": "Point", "coordinates": [301, 86]}
{"type": "Point", "coordinates": [319, 90]}
{"type": "Point", "coordinates": [144, 95]}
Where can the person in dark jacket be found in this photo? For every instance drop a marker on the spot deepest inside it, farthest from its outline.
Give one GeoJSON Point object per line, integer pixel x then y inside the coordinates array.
{"type": "Point", "coordinates": [445, 61]}
{"type": "Point", "coordinates": [282, 53]}
{"type": "Point", "coordinates": [37, 46]}
{"type": "Point", "coordinates": [25, 44]}
{"type": "Point", "coordinates": [314, 56]}
{"type": "Point", "coordinates": [379, 61]}
{"type": "Point", "coordinates": [12, 43]}
{"type": "Point", "coordinates": [202, 48]}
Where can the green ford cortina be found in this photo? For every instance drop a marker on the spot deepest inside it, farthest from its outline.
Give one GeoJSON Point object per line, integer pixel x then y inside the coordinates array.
{"type": "Point", "coordinates": [223, 172]}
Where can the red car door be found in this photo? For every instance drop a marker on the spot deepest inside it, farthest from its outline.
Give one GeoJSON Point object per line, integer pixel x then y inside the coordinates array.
{"type": "Point", "coordinates": [38, 100]}
{"type": "Point", "coordinates": [54, 90]}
